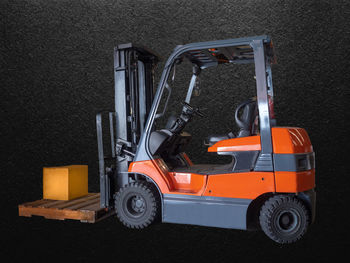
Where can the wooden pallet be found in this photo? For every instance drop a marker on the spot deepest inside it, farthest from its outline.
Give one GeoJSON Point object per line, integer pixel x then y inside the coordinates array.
{"type": "Point", "coordinates": [86, 209]}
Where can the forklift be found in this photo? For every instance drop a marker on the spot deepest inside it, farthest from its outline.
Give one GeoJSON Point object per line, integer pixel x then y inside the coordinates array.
{"type": "Point", "coordinates": [147, 176]}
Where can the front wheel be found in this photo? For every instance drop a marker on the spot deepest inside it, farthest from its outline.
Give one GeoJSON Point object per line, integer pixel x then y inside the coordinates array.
{"type": "Point", "coordinates": [137, 205]}
{"type": "Point", "coordinates": [284, 218]}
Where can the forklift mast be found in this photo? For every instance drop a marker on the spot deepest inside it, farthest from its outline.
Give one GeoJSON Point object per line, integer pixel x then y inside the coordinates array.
{"type": "Point", "coordinates": [133, 75]}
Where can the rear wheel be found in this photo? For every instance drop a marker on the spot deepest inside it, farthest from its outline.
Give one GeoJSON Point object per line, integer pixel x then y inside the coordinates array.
{"type": "Point", "coordinates": [284, 218]}
{"type": "Point", "coordinates": [137, 205]}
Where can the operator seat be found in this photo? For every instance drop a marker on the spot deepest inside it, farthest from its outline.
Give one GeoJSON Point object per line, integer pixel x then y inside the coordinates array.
{"type": "Point", "coordinates": [245, 122]}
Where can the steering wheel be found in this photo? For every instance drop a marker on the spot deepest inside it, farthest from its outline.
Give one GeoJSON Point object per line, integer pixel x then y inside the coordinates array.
{"type": "Point", "coordinates": [191, 110]}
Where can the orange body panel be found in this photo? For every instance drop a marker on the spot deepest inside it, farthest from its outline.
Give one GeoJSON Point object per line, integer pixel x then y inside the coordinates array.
{"type": "Point", "coordinates": [293, 182]}
{"type": "Point", "coordinates": [284, 140]}
{"type": "Point", "coordinates": [290, 140]}
{"type": "Point", "coordinates": [189, 183]}
{"type": "Point", "coordinates": [240, 185]}
{"type": "Point", "coordinates": [155, 169]}
{"type": "Point", "coordinates": [235, 185]}
{"type": "Point", "coordinates": [248, 185]}
{"type": "Point", "coordinates": [170, 182]}
{"type": "Point", "coordinates": [250, 143]}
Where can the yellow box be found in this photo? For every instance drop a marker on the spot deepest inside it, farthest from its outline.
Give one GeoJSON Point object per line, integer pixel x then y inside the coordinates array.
{"type": "Point", "coordinates": [65, 182]}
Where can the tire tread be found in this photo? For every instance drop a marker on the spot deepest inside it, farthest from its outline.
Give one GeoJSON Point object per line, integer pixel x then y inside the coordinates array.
{"type": "Point", "coordinates": [155, 201]}
{"type": "Point", "coordinates": [268, 209]}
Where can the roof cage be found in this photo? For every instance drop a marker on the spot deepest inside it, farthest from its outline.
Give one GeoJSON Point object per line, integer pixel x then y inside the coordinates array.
{"type": "Point", "coordinates": [237, 51]}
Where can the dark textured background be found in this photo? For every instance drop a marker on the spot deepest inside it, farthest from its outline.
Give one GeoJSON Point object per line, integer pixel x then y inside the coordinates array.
{"type": "Point", "coordinates": [56, 74]}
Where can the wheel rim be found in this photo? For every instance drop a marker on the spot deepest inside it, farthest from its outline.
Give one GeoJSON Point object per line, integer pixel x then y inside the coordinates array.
{"type": "Point", "coordinates": [135, 205]}
{"type": "Point", "coordinates": [288, 221]}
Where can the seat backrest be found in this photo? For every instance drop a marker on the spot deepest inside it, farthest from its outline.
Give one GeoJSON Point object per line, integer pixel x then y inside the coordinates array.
{"type": "Point", "coordinates": [246, 120]}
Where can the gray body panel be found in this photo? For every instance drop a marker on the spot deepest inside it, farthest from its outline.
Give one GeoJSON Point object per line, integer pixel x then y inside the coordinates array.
{"type": "Point", "coordinates": [205, 211]}
{"type": "Point", "coordinates": [309, 197]}
{"type": "Point", "coordinates": [296, 162]}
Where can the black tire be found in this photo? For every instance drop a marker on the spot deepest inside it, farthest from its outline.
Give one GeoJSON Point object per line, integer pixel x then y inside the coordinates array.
{"type": "Point", "coordinates": [284, 218]}
{"type": "Point", "coordinates": [137, 205]}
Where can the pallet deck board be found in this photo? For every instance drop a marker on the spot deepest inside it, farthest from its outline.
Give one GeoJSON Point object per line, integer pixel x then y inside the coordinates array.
{"type": "Point", "coordinates": [67, 204]}
{"type": "Point", "coordinates": [37, 202]}
{"type": "Point", "coordinates": [93, 207]}
{"type": "Point", "coordinates": [84, 204]}
{"type": "Point", "coordinates": [85, 209]}
{"type": "Point", "coordinates": [51, 203]}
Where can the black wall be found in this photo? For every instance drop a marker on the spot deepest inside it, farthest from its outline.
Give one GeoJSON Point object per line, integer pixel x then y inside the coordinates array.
{"type": "Point", "coordinates": [57, 73]}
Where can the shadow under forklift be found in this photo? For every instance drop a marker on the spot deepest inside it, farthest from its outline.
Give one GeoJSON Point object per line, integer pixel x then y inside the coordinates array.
{"type": "Point", "coordinates": [148, 176]}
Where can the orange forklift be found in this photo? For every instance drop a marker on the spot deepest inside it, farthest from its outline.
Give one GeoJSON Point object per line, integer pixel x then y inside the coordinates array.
{"type": "Point", "coordinates": [148, 177]}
